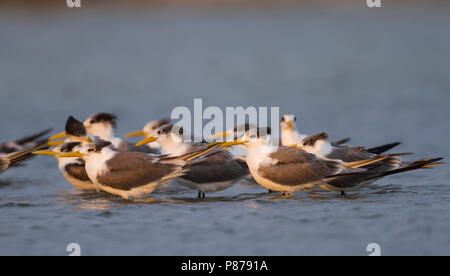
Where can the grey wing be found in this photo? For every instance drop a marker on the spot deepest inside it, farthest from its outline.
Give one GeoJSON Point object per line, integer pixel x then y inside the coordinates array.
{"type": "Point", "coordinates": [218, 167]}
{"type": "Point", "coordinates": [77, 170]}
{"type": "Point", "coordinates": [296, 167]}
{"type": "Point", "coordinates": [349, 154]}
{"type": "Point", "coordinates": [144, 149]}
{"type": "Point", "coordinates": [128, 170]}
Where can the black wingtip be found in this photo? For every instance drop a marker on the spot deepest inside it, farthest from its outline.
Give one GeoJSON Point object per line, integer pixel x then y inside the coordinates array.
{"type": "Point", "coordinates": [342, 141]}
{"type": "Point", "coordinates": [32, 137]}
{"type": "Point", "coordinates": [383, 148]}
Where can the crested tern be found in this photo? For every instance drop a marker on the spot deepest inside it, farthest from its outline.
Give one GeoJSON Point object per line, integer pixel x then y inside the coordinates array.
{"type": "Point", "coordinates": [130, 174]}
{"type": "Point", "coordinates": [219, 171]}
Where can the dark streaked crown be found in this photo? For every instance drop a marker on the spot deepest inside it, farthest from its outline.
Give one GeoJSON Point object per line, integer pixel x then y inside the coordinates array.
{"type": "Point", "coordinates": [75, 127]}
{"type": "Point", "coordinates": [104, 118]}
{"type": "Point", "coordinates": [68, 147]}
{"type": "Point", "coordinates": [167, 128]}
{"type": "Point", "coordinates": [311, 140]}
{"type": "Point", "coordinates": [164, 121]}
{"type": "Point", "coordinates": [100, 144]}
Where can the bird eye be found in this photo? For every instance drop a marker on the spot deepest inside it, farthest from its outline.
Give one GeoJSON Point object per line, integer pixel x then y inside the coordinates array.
{"type": "Point", "coordinates": [283, 119]}
{"type": "Point", "coordinates": [295, 119]}
{"type": "Point", "coordinates": [159, 131]}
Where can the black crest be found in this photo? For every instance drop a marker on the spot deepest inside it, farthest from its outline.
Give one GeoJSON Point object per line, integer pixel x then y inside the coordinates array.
{"type": "Point", "coordinates": [104, 118]}
{"type": "Point", "coordinates": [100, 144]}
{"type": "Point", "coordinates": [75, 127]}
{"type": "Point", "coordinates": [311, 140]}
{"type": "Point", "coordinates": [68, 147]}
{"type": "Point", "coordinates": [167, 128]}
{"type": "Point", "coordinates": [162, 122]}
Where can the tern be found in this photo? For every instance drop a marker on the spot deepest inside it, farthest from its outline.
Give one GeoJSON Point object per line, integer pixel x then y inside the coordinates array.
{"type": "Point", "coordinates": [150, 130]}
{"type": "Point", "coordinates": [131, 174]}
{"type": "Point", "coordinates": [219, 171]}
{"type": "Point", "coordinates": [14, 153]}
{"type": "Point", "coordinates": [16, 158]}
{"type": "Point", "coordinates": [320, 145]}
{"type": "Point", "coordinates": [289, 170]}
{"type": "Point", "coordinates": [24, 143]}
{"type": "Point", "coordinates": [102, 125]}
{"type": "Point", "coordinates": [73, 169]}
{"type": "Point", "coordinates": [291, 137]}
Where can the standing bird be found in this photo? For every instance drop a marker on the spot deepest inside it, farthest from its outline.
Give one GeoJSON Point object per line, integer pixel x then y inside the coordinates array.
{"type": "Point", "coordinates": [217, 172]}
{"type": "Point", "coordinates": [102, 125]}
{"type": "Point", "coordinates": [289, 133]}
{"type": "Point", "coordinates": [291, 137]}
{"type": "Point", "coordinates": [73, 169]}
{"type": "Point", "coordinates": [320, 145]}
{"type": "Point", "coordinates": [289, 170]}
{"type": "Point", "coordinates": [130, 174]}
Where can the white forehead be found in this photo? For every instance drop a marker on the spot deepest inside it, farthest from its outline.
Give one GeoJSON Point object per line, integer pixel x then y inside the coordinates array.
{"type": "Point", "coordinates": [289, 117]}
{"type": "Point", "coordinates": [150, 125]}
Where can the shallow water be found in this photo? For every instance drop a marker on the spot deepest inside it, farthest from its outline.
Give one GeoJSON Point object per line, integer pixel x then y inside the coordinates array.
{"type": "Point", "coordinates": [376, 76]}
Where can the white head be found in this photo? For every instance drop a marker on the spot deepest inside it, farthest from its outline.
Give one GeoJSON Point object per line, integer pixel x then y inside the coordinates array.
{"type": "Point", "coordinates": [151, 128]}
{"type": "Point", "coordinates": [257, 139]}
{"type": "Point", "coordinates": [94, 151]}
{"type": "Point", "coordinates": [318, 144]}
{"type": "Point", "coordinates": [169, 134]}
{"type": "Point", "coordinates": [101, 125]}
{"type": "Point", "coordinates": [288, 122]}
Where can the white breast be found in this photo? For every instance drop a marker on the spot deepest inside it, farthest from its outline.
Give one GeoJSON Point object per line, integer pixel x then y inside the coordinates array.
{"type": "Point", "coordinates": [291, 137]}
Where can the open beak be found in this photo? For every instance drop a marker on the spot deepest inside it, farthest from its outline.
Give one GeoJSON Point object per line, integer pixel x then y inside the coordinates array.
{"type": "Point", "coordinates": [45, 152]}
{"type": "Point", "coordinates": [136, 134]}
{"type": "Point", "coordinates": [146, 141]}
{"type": "Point", "coordinates": [55, 143]}
{"type": "Point", "coordinates": [58, 136]}
{"type": "Point", "coordinates": [71, 154]}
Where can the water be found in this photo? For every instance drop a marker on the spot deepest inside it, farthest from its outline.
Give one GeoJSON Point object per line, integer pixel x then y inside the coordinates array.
{"type": "Point", "coordinates": [377, 76]}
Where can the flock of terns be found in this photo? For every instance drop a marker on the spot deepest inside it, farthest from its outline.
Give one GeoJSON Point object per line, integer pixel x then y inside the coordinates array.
{"type": "Point", "coordinates": [90, 157]}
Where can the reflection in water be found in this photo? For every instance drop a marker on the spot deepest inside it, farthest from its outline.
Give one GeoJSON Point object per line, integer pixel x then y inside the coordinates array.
{"type": "Point", "coordinates": [89, 200]}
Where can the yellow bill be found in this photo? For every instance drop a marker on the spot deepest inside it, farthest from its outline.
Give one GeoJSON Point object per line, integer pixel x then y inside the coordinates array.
{"type": "Point", "coordinates": [45, 152]}
{"type": "Point", "coordinates": [146, 141]}
{"type": "Point", "coordinates": [71, 154]}
{"type": "Point", "coordinates": [55, 143]}
{"type": "Point", "coordinates": [220, 135]}
{"type": "Point", "coordinates": [136, 134]}
{"type": "Point", "coordinates": [290, 124]}
{"type": "Point", "coordinates": [58, 136]}
{"type": "Point", "coordinates": [235, 143]}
